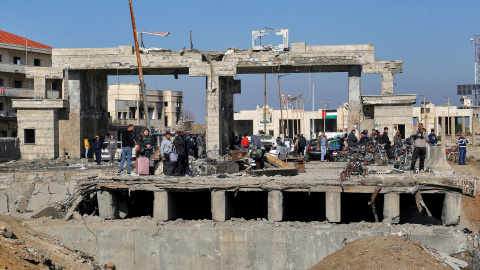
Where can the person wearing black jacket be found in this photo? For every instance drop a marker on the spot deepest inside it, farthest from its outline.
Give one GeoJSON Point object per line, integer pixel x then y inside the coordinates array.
{"type": "Point", "coordinates": [386, 141]}
{"type": "Point", "coordinates": [127, 144]}
{"type": "Point", "coordinates": [146, 143]}
{"type": "Point", "coordinates": [352, 140]}
{"type": "Point", "coordinates": [97, 148]}
{"type": "Point", "coordinates": [179, 144]}
{"type": "Point", "coordinates": [364, 140]}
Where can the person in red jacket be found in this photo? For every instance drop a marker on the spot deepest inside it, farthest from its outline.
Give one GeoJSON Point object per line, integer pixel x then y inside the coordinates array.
{"type": "Point", "coordinates": [245, 143]}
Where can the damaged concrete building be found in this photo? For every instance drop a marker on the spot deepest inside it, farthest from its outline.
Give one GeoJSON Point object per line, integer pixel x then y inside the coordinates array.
{"type": "Point", "coordinates": [82, 107]}
{"type": "Point", "coordinates": [125, 106]}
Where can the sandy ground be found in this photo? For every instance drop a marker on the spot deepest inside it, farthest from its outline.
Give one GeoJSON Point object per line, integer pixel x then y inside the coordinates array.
{"type": "Point", "coordinates": [381, 252]}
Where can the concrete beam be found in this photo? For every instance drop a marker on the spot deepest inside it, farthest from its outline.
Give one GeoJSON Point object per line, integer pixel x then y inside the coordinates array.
{"type": "Point", "coordinates": [107, 204]}
{"type": "Point", "coordinates": [275, 205]}
{"type": "Point", "coordinates": [333, 206]}
{"type": "Point", "coordinates": [452, 208]}
{"type": "Point", "coordinates": [220, 210]}
{"type": "Point", "coordinates": [391, 208]}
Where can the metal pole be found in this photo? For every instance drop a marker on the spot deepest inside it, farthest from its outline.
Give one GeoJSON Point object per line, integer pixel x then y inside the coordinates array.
{"type": "Point", "coordinates": [140, 71]}
{"type": "Point", "coordinates": [281, 111]}
{"type": "Point", "coordinates": [26, 49]}
{"type": "Point", "coordinates": [288, 125]}
{"type": "Point", "coordinates": [265, 106]}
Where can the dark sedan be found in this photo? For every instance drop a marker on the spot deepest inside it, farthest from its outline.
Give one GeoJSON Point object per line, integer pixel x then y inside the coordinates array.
{"type": "Point", "coordinates": [311, 151]}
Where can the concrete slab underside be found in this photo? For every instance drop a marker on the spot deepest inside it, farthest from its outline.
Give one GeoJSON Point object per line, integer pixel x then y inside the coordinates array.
{"type": "Point", "coordinates": [146, 244]}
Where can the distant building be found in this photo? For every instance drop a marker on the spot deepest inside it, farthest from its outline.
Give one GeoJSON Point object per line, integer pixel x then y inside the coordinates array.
{"type": "Point", "coordinates": [125, 106]}
{"type": "Point", "coordinates": [294, 121]}
{"type": "Point", "coordinates": [16, 53]}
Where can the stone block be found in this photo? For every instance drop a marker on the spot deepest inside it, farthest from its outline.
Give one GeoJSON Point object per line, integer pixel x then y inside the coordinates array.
{"type": "Point", "coordinates": [3, 202]}
{"type": "Point", "coordinates": [227, 167]}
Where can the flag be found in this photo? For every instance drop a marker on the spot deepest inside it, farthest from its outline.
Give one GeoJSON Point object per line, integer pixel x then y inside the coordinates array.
{"type": "Point", "coordinates": [329, 115]}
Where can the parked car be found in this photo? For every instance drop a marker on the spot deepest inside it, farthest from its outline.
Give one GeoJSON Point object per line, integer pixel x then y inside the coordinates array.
{"type": "Point", "coordinates": [118, 154]}
{"type": "Point", "coordinates": [267, 140]}
{"type": "Point", "coordinates": [279, 150]}
{"type": "Point", "coordinates": [311, 151]}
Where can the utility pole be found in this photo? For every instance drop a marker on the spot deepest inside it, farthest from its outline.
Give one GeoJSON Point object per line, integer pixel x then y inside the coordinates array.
{"type": "Point", "coordinates": [313, 108]}
{"type": "Point", "coordinates": [282, 126]}
{"type": "Point", "coordinates": [448, 120]}
{"type": "Point", "coordinates": [265, 105]}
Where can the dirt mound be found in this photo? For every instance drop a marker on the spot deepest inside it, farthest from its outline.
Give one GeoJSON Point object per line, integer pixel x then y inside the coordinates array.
{"type": "Point", "coordinates": [381, 252]}
{"type": "Point", "coordinates": [24, 248]}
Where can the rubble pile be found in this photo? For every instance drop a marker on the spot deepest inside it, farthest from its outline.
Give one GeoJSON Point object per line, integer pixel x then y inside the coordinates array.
{"type": "Point", "coordinates": [24, 248]}
{"type": "Point", "coordinates": [388, 252]}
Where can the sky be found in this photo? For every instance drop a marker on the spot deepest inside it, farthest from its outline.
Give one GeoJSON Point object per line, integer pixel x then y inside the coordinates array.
{"type": "Point", "coordinates": [431, 37]}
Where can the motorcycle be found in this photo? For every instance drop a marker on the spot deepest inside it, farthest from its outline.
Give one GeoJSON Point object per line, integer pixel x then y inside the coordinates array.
{"type": "Point", "coordinates": [404, 159]}
{"type": "Point", "coordinates": [376, 154]}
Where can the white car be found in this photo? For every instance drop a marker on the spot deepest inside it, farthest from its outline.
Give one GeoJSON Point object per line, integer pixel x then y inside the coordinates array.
{"type": "Point", "coordinates": [118, 154]}
{"type": "Point", "coordinates": [267, 140]}
{"type": "Point", "coordinates": [279, 150]}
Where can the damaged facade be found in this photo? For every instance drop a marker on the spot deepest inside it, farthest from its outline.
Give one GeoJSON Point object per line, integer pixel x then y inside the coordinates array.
{"type": "Point", "coordinates": [125, 106]}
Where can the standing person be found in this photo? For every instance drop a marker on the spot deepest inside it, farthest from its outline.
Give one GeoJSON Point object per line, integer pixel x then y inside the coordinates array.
{"type": "Point", "coordinates": [386, 140]}
{"type": "Point", "coordinates": [165, 150]}
{"type": "Point", "coordinates": [302, 142]}
{"type": "Point", "coordinates": [179, 144]}
{"type": "Point", "coordinates": [352, 140]}
{"type": "Point", "coordinates": [432, 138]}
{"type": "Point", "coordinates": [188, 146]}
{"type": "Point", "coordinates": [420, 140]}
{"type": "Point", "coordinates": [195, 148]}
{"type": "Point", "coordinates": [97, 149]}
{"type": "Point", "coordinates": [146, 142]}
{"type": "Point", "coordinates": [322, 143]}
{"type": "Point", "coordinates": [256, 145]}
{"type": "Point", "coordinates": [462, 148]}
{"type": "Point", "coordinates": [245, 144]}
{"type": "Point", "coordinates": [86, 143]}
{"type": "Point", "coordinates": [288, 143]}
{"type": "Point", "coordinates": [374, 136]}
{"type": "Point", "coordinates": [112, 148]}
{"type": "Point", "coordinates": [200, 145]}
{"type": "Point", "coordinates": [363, 138]}
{"type": "Point", "coordinates": [397, 142]}
{"type": "Point", "coordinates": [128, 142]}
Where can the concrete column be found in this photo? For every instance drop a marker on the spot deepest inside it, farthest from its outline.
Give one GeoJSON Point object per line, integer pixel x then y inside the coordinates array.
{"type": "Point", "coordinates": [452, 207]}
{"type": "Point", "coordinates": [39, 87]}
{"type": "Point", "coordinates": [219, 119]}
{"type": "Point", "coordinates": [275, 205]}
{"type": "Point", "coordinates": [452, 129]}
{"type": "Point", "coordinates": [219, 206]}
{"type": "Point", "coordinates": [107, 204]}
{"type": "Point", "coordinates": [391, 208]}
{"type": "Point", "coordinates": [463, 124]}
{"type": "Point", "coordinates": [444, 131]}
{"type": "Point", "coordinates": [435, 125]}
{"type": "Point", "coordinates": [354, 96]}
{"type": "Point", "coordinates": [387, 83]}
{"type": "Point", "coordinates": [162, 206]}
{"type": "Point", "coordinates": [333, 206]}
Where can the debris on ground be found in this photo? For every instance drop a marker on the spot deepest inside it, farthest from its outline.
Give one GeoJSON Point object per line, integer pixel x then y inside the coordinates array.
{"type": "Point", "coordinates": [387, 252]}
{"type": "Point", "coordinates": [24, 248]}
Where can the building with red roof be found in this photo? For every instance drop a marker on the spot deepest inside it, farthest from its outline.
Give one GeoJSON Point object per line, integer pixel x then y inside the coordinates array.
{"type": "Point", "coordinates": [17, 53]}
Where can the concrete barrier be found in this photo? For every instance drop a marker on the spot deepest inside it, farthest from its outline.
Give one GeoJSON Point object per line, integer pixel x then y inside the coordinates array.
{"type": "Point", "coordinates": [439, 160]}
{"type": "Point", "coordinates": [429, 157]}
{"type": "Point", "coordinates": [9, 149]}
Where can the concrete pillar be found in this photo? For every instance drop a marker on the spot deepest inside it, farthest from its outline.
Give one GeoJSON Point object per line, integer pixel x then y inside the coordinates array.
{"type": "Point", "coordinates": [275, 205]}
{"type": "Point", "coordinates": [452, 129]}
{"type": "Point", "coordinates": [333, 206]}
{"type": "Point", "coordinates": [39, 87]}
{"type": "Point", "coordinates": [354, 96]}
{"type": "Point", "coordinates": [435, 125]}
{"type": "Point", "coordinates": [444, 131]}
{"type": "Point", "coordinates": [162, 206]}
{"type": "Point", "coordinates": [387, 83]}
{"type": "Point", "coordinates": [391, 208]}
{"type": "Point", "coordinates": [220, 211]}
{"type": "Point", "coordinates": [107, 204]}
{"type": "Point", "coordinates": [452, 207]}
{"type": "Point", "coordinates": [219, 119]}
{"type": "Point", "coordinates": [463, 124]}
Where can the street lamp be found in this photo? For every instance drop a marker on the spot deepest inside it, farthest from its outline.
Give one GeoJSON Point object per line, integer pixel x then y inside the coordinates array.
{"type": "Point", "coordinates": [280, 97]}
{"type": "Point", "coordinates": [324, 107]}
{"type": "Point", "coordinates": [303, 109]}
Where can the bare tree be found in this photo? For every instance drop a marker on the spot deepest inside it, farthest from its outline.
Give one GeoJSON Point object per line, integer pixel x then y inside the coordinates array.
{"type": "Point", "coordinates": [188, 116]}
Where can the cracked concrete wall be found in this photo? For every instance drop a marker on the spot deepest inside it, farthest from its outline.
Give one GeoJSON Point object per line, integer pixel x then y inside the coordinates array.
{"type": "Point", "coordinates": [230, 245]}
